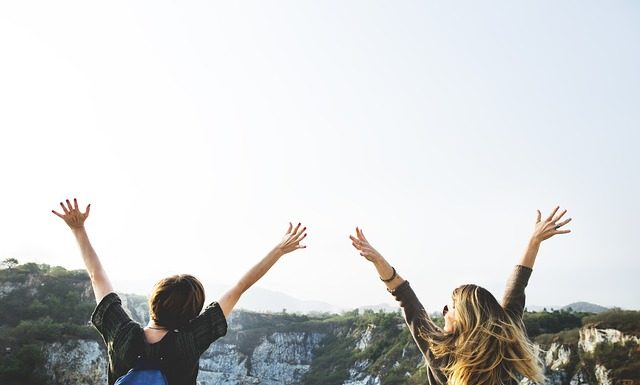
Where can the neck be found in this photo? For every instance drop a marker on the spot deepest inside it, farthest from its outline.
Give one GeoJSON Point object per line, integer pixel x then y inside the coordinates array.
{"type": "Point", "coordinates": [154, 326]}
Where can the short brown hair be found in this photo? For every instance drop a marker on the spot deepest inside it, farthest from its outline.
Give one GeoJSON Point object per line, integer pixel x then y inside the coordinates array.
{"type": "Point", "coordinates": [176, 300]}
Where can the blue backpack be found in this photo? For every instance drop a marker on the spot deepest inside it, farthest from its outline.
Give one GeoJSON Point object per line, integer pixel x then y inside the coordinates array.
{"type": "Point", "coordinates": [145, 372]}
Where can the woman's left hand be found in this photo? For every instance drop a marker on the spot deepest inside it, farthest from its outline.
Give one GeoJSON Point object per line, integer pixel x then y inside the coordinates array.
{"type": "Point", "coordinates": [72, 216]}
{"type": "Point", "coordinates": [291, 240]}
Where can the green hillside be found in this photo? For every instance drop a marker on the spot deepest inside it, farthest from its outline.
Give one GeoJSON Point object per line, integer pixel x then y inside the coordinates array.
{"type": "Point", "coordinates": [42, 304]}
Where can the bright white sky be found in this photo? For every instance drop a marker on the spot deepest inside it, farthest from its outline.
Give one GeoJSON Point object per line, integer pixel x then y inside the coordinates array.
{"type": "Point", "coordinates": [197, 131]}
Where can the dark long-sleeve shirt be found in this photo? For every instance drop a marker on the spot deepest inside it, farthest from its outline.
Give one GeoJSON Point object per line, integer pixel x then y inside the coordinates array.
{"type": "Point", "coordinates": [420, 324]}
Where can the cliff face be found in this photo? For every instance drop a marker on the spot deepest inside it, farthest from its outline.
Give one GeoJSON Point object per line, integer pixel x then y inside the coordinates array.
{"type": "Point", "coordinates": [587, 362]}
{"type": "Point", "coordinates": [264, 349]}
{"type": "Point", "coordinates": [269, 349]}
{"type": "Point", "coordinates": [279, 358]}
{"type": "Point", "coordinates": [591, 337]}
{"type": "Point", "coordinates": [284, 357]}
{"type": "Point", "coordinates": [81, 362]}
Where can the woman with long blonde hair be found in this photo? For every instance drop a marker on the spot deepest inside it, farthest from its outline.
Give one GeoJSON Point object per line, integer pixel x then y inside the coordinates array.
{"type": "Point", "coordinates": [482, 342]}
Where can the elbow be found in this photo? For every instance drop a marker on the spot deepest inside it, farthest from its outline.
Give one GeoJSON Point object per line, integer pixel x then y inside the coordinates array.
{"type": "Point", "coordinates": [96, 276]}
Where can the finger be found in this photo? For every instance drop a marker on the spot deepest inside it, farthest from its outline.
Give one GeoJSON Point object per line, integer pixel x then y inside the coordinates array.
{"type": "Point", "coordinates": [303, 237]}
{"type": "Point", "coordinates": [561, 232]}
{"type": "Point", "coordinates": [290, 227]}
{"type": "Point", "coordinates": [559, 216]}
{"type": "Point", "coordinates": [302, 232]}
{"type": "Point", "coordinates": [539, 216]}
{"type": "Point", "coordinates": [296, 230]}
{"type": "Point", "coordinates": [57, 213]}
{"type": "Point", "coordinates": [64, 208]}
{"type": "Point", "coordinates": [363, 237]}
{"type": "Point", "coordinates": [359, 232]}
{"type": "Point", "coordinates": [86, 211]}
{"type": "Point", "coordinates": [75, 203]}
{"type": "Point", "coordinates": [301, 247]}
{"type": "Point", "coordinates": [553, 213]}
{"type": "Point", "coordinates": [563, 223]}
{"type": "Point", "coordinates": [69, 205]}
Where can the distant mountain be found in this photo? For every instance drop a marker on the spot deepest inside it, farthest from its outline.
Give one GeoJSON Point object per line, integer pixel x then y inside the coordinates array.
{"type": "Point", "coordinates": [263, 300]}
{"type": "Point", "coordinates": [585, 307]}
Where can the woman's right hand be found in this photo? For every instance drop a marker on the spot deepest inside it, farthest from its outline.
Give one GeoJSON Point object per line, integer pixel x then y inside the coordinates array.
{"type": "Point", "coordinates": [364, 247]}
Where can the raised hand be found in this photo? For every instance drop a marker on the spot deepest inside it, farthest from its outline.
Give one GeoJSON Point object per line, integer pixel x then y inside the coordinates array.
{"type": "Point", "coordinates": [550, 226]}
{"type": "Point", "coordinates": [291, 240]}
{"type": "Point", "coordinates": [363, 246]}
{"type": "Point", "coordinates": [72, 216]}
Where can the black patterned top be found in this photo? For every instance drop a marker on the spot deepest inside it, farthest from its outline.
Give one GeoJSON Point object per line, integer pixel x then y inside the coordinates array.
{"type": "Point", "coordinates": [178, 351]}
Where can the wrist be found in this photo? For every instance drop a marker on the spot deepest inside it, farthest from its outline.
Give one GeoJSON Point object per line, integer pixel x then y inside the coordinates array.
{"type": "Point", "coordinates": [77, 229]}
{"type": "Point", "coordinates": [277, 252]}
{"type": "Point", "coordinates": [535, 241]}
{"type": "Point", "coordinates": [391, 277]}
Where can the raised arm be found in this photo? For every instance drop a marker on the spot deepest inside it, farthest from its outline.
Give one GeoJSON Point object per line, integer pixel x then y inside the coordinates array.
{"type": "Point", "coordinates": [290, 242]}
{"type": "Point", "coordinates": [514, 297]}
{"type": "Point", "coordinates": [74, 218]}
{"type": "Point", "coordinates": [416, 317]}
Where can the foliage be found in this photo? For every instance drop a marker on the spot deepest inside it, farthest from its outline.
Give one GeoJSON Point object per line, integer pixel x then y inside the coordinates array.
{"type": "Point", "coordinates": [622, 359]}
{"type": "Point", "coordinates": [538, 323]}
{"type": "Point", "coordinates": [565, 337]}
{"type": "Point", "coordinates": [46, 304]}
{"type": "Point", "coordinates": [627, 321]}
{"type": "Point", "coordinates": [20, 367]}
{"type": "Point", "coordinates": [10, 263]}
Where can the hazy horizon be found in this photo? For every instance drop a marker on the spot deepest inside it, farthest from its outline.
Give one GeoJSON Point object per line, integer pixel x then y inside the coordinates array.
{"type": "Point", "coordinates": [262, 299]}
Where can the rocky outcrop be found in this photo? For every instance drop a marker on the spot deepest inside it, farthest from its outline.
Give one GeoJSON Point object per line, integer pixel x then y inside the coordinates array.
{"type": "Point", "coordinates": [358, 374]}
{"type": "Point", "coordinates": [591, 337]}
{"type": "Point", "coordinates": [557, 358]}
{"type": "Point", "coordinates": [81, 362]}
{"type": "Point", "coordinates": [280, 358]}
{"type": "Point", "coordinates": [279, 355]}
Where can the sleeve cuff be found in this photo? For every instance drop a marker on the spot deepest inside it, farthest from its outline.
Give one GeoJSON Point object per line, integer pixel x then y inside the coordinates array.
{"type": "Point", "coordinates": [104, 305]}
{"type": "Point", "coordinates": [523, 272]}
{"type": "Point", "coordinates": [402, 288]}
{"type": "Point", "coordinates": [217, 318]}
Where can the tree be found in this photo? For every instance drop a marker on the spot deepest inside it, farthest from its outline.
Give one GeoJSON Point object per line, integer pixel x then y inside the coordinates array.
{"type": "Point", "coordinates": [10, 263]}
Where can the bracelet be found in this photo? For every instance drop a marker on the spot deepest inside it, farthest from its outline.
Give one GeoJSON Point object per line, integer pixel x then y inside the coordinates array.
{"type": "Point", "coordinates": [390, 278]}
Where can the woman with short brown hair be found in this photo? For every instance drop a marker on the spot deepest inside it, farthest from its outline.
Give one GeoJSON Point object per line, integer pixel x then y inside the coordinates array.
{"type": "Point", "coordinates": [177, 333]}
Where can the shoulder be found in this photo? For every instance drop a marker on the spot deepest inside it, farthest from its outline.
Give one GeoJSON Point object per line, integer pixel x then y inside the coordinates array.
{"type": "Point", "coordinates": [109, 317]}
{"type": "Point", "coordinates": [211, 318]}
{"type": "Point", "coordinates": [206, 328]}
{"type": "Point", "coordinates": [106, 305]}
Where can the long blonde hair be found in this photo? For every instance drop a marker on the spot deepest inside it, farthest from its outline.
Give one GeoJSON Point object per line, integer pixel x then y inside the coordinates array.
{"type": "Point", "coordinates": [488, 346]}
